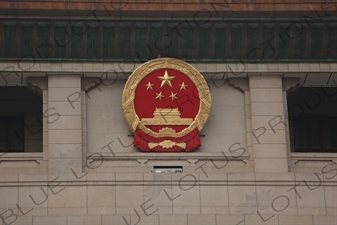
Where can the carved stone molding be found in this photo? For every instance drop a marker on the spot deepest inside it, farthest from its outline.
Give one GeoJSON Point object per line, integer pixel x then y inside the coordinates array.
{"type": "Point", "coordinates": [37, 84]}
{"type": "Point", "coordinates": [239, 83]}
{"type": "Point", "coordinates": [290, 84]}
{"type": "Point", "coordinates": [89, 83]}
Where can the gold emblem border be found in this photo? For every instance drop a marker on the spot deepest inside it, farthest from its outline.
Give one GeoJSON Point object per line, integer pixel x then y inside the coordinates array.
{"type": "Point", "coordinates": [165, 63]}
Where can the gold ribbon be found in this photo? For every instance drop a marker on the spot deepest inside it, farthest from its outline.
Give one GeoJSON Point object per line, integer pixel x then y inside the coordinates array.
{"type": "Point", "coordinates": [167, 144]}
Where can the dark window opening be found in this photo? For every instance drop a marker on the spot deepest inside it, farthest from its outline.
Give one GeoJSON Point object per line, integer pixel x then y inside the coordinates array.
{"type": "Point", "coordinates": [20, 120]}
{"type": "Point", "coordinates": [315, 134]}
{"type": "Point", "coordinates": [11, 134]}
{"type": "Point", "coordinates": [312, 114]}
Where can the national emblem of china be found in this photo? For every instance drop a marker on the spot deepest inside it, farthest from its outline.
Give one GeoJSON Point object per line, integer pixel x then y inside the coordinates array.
{"type": "Point", "coordinates": [166, 103]}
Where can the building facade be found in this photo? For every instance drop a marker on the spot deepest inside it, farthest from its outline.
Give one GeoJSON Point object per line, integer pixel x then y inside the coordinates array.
{"type": "Point", "coordinates": [269, 147]}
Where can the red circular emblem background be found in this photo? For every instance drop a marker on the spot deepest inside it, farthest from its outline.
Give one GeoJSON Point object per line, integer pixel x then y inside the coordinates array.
{"type": "Point", "coordinates": [166, 102]}
{"type": "Point", "coordinates": [187, 99]}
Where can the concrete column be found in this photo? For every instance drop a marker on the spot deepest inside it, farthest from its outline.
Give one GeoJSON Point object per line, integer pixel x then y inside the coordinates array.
{"type": "Point", "coordinates": [268, 124]}
{"type": "Point", "coordinates": [64, 124]}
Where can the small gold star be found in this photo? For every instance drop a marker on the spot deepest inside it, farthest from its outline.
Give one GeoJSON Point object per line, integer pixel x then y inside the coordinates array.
{"type": "Point", "coordinates": [183, 86]}
{"type": "Point", "coordinates": [159, 96]}
{"type": "Point", "coordinates": [166, 79]}
{"type": "Point", "coordinates": [173, 96]}
{"type": "Point", "coordinates": [149, 86]}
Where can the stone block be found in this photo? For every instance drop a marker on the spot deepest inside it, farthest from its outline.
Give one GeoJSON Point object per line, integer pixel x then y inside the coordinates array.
{"type": "Point", "coordinates": [283, 67]}
{"type": "Point", "coordinates": [21, 220]}
{"type": "Point", "coordinates": [129, 196]}
{"type": "Point", "coordinates": [65, 136]}
{"type": "Point", "coordinates": [57, 151]}
{"type": "Point", "coordinates": [261, 136]}
{"type": "Point", "coordinates": [261, 218]}
{"type": "Point", "coordinates": [64, 94]}
{"type": "Point", "coordinates": [304, 67]}
{"type": "Point", "coordinates": [56, 67]}
{"type": "Point", "coordinates": [267, 109]}
{"type": "Point", "coordinates": [188, 191]}
{"type": "Point", "coordinates": [227, 120]}
{"type": "Point", "coordinates": [314, 67]}
{"type": "Point", "coordinates": [172, 219]}
{"type": "Point", "coordinates": [262, 67]}
{"type": "Point", "coordinates": [66, 123]}
{"type": "Point", "coordinates": [66, 66]}
{"type": "Point", "coordinates": [45, 66]}
{"type": "Point", "coordinates": [115, 219]}
{"type": "Point", "coordinates": [98, 67]}
{"type": "Point", "coordinates": [55, 220]}
{"type": "Point", "coordinates": [251, 67]}
{"type": "Point", "coordinates": [295, 219]}
{"type": "Point", "coordinates": [87, 66]}
{"type": "Point", "coordinates": [84, 220]}
{"type": "Point", "coordinates": [294, 67]}
{"type": "Point", "coordinates": [311, 196]}
{"type": "Point", "coordinates": [214, 199]}
{"type": "Point", "coordinates": [33, 199]}
{"type": "Point", "coordinates": [158, 191]}
{"type": "Point", "coordinates": [270, 122]}
{"type": "Point", "coordinates": [229, 220]}
{"type": "Point", "coordinates": [272, 67]}
{"type": "Point", "coordinates": [276, 200]}
{"type": "Point", "coordinates": [67, 200]}
{"type": "Point", "coordinates": [101, 200]}
{"type": "Point", "coordinates": [77, 67]}
{"type": "Point", "coordinates": [325, 220]}
{"type": "Point", "coordinates": [201, 219]}
{"type": "Point", "coordinates": [221, 67]}
{"type": "Point", "coordinates": [266, 95]}
{"type": "Point", "coordinates": [201, 67]}
{"type": "Point", "coordinates": [271, 165]}
{"type": "Point", "coordinates": [238, 194]}
{"type": "Point", "coordinates": [62, 109]}
{"type": "Point", "coordinates": [9, 196]}
{"type": "Point", "coordinates": [331, 199]}
{"type": "Point", "coordinates": [6, 177]}
{"type": "Point", "coordinates": [270, 151]}
{"type": "Point", "coordinates": [64, 81]}
{"type": "Point", "coordinates": [225, 95]}
{"type": "Point", "coordinates": [110, 67]}
{"type": "Point", "coordinates": [145, 219]}
{"type": "Point", "coordinates": [109, 177]}
{"type": "Point", "coordinates": [211, 67]}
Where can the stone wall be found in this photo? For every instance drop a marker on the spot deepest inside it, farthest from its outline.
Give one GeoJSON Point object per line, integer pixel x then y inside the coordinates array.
{"type": "Point", "coordinates": [89, 172]}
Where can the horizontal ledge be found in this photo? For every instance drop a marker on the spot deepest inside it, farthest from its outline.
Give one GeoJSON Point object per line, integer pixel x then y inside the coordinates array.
{"type": "Point", "coordinates": [166, 156]}
{"type": "Point", "coordinates": [37, 157]}
{"type": "Point", "coordinates": [148, 183]}
{"type": "Point", "coordinates": [26, 155]}
{"type": "Point", "coordinates": [311, 155]}
{"type": "Point", "coordinates": [124, 69]}
{"type": "Point", "coordinates": [332, 157]}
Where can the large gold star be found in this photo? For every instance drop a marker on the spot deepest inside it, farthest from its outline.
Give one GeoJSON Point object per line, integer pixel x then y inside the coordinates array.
{"type": "Point", "coordinates": [149, 86]}
{"type": "Point", "coordinates": [159, 96]}
{"type": "Point", "coordinates": [166, 79]}
{"type": "Point", "coordinates": [183, 86]}
{"type": "Point", "coordinates": [173, 96]}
